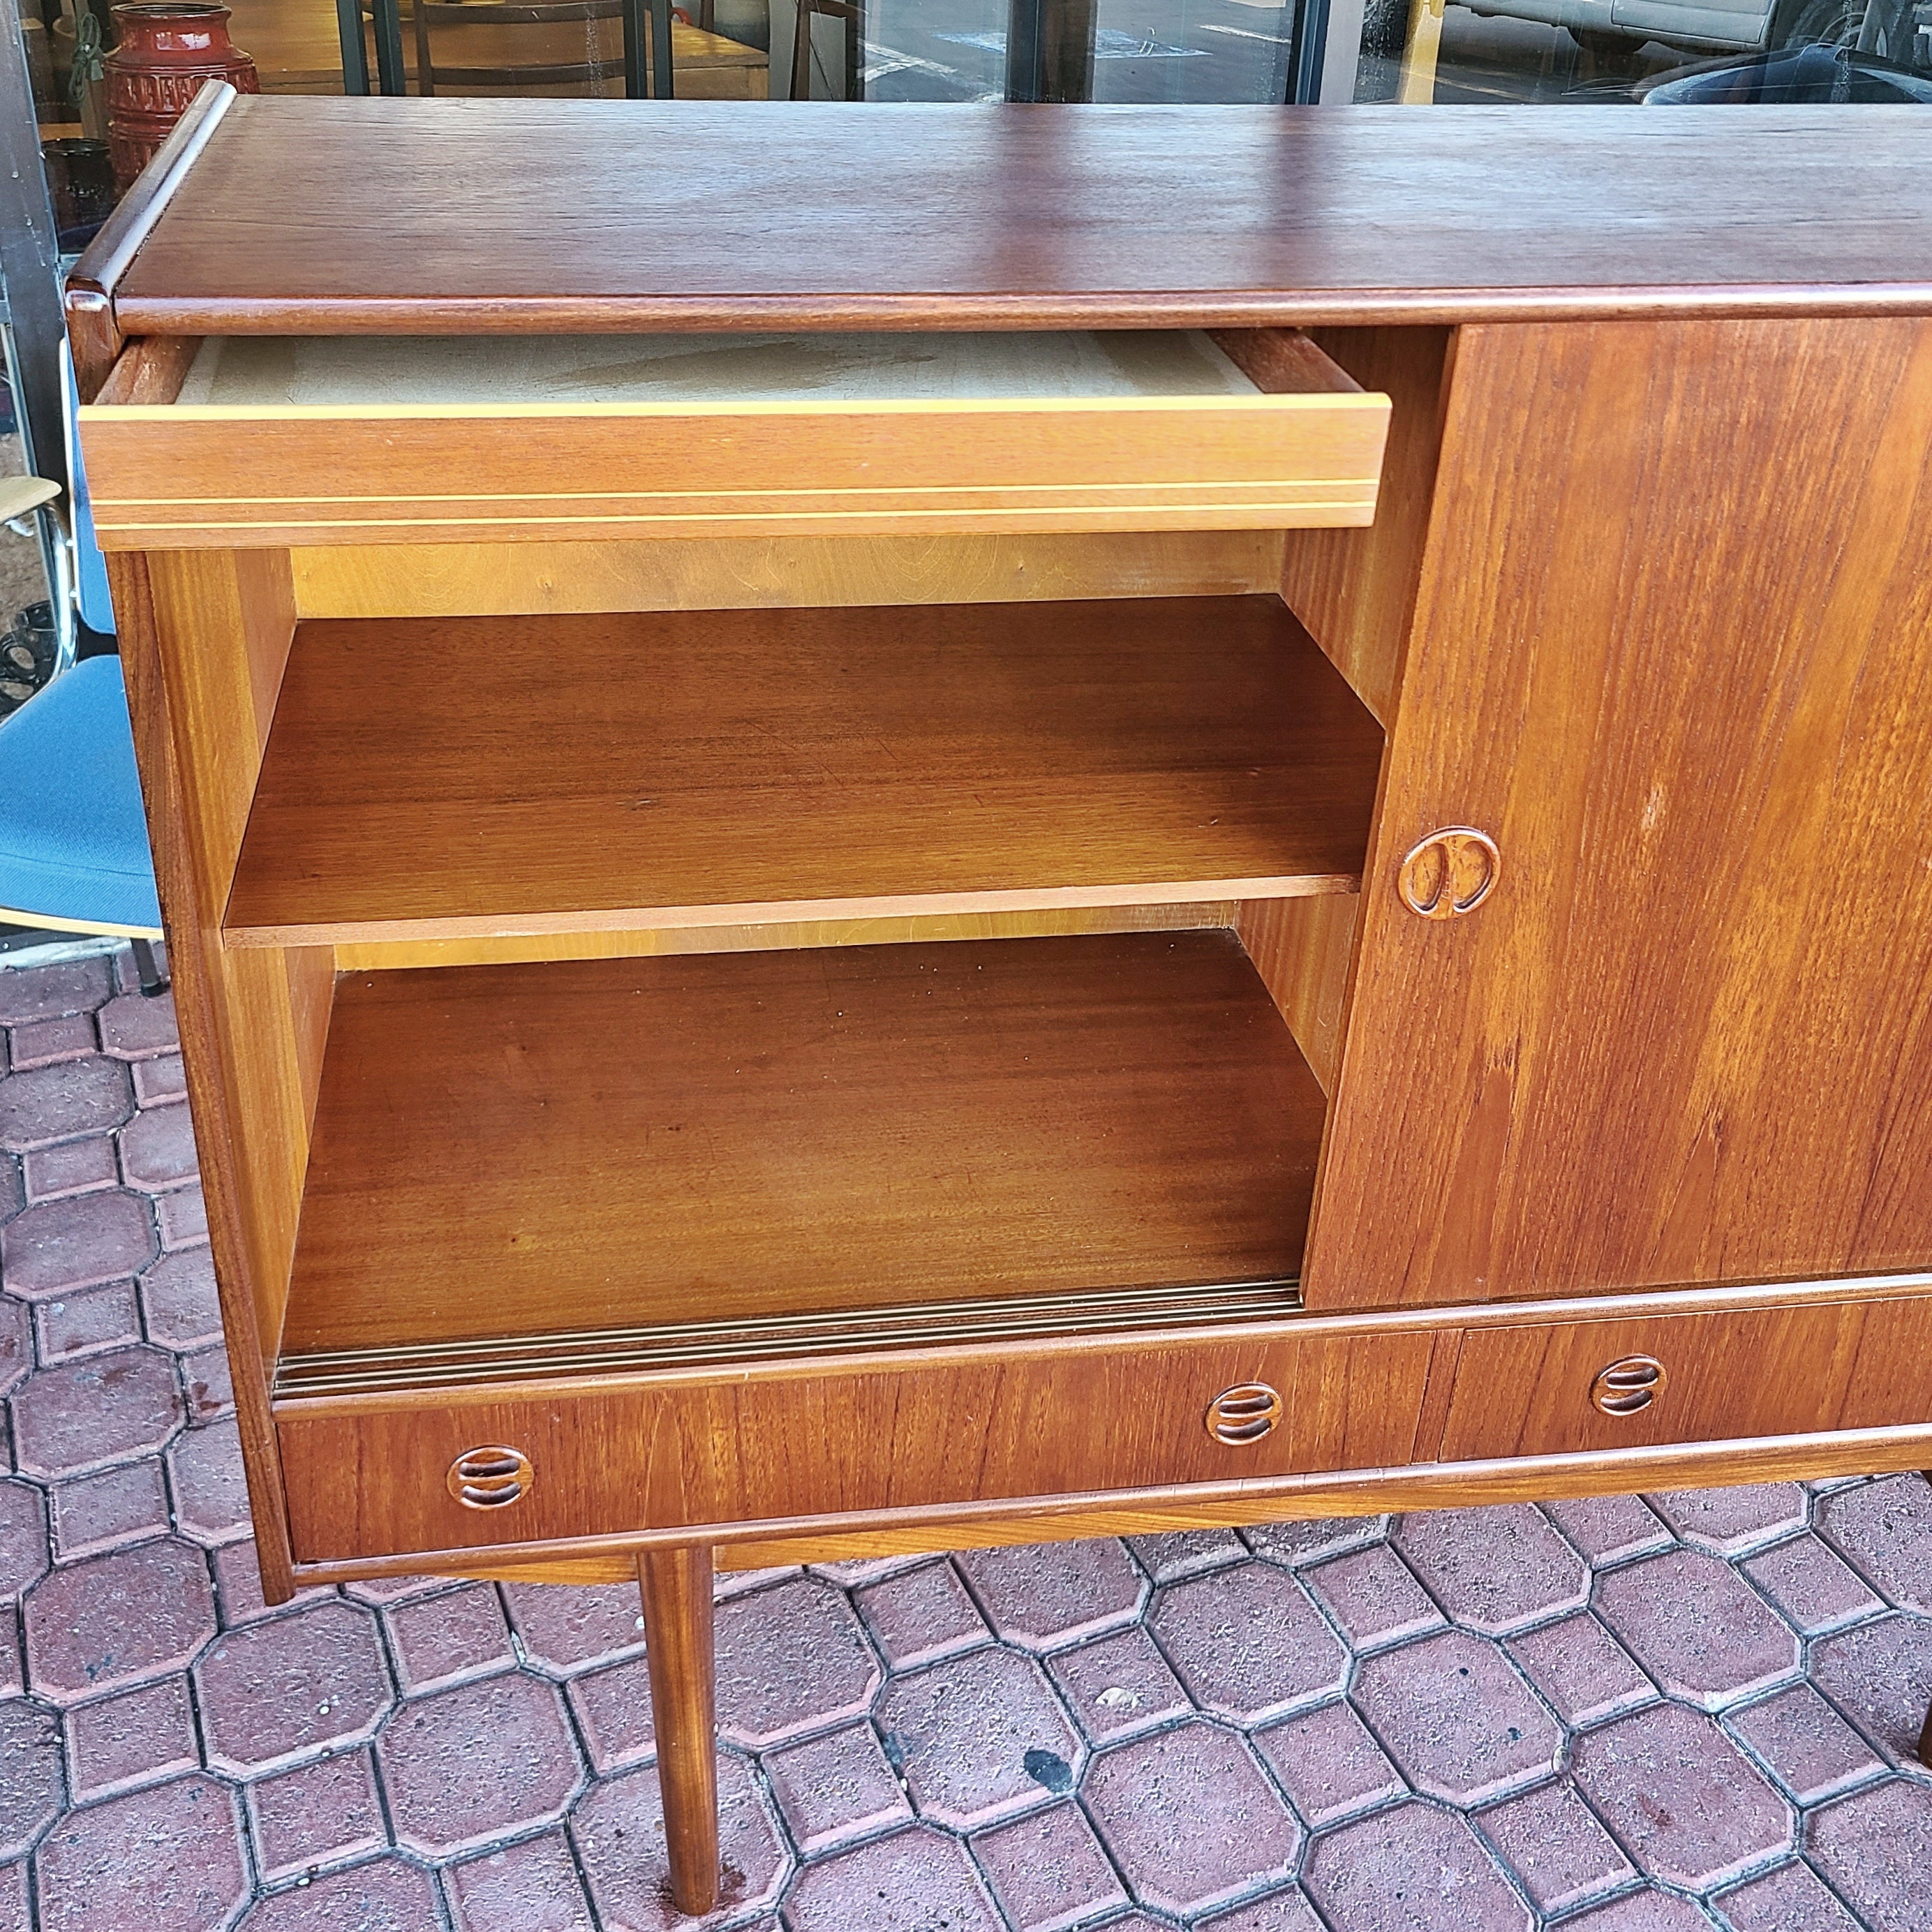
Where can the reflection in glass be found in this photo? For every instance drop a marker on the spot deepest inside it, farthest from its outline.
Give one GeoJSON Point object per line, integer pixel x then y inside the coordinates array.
{"type": "Point", "coordinates": [1661, 52]}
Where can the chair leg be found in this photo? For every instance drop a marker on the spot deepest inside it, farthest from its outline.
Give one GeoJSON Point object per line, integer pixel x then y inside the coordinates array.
{"type": "Point", "coordinates": [677, 1588]}
{"type": "Point", "coordinates": [801, 53]}
{"type": "Point", "coordinates": [154, 981]}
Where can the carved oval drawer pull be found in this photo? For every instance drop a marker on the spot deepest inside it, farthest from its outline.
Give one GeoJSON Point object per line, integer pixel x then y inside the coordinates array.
{"type": "Point", "coordinates": [1629, 1386]}
{"type": "Point", "coordinates": [1243, 1414]}
{"type": "Point", "coordinates": [492, 1478]}
{"type": "Point", "coordinates": [1450, 872]}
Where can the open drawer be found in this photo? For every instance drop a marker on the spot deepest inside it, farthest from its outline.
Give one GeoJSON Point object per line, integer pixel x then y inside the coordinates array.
{"type": "Point", "coordinates": [286, 440]}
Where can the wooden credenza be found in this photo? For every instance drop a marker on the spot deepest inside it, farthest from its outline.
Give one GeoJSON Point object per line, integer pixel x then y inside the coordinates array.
{"type": "Point", "coordinates": [1151, 817]}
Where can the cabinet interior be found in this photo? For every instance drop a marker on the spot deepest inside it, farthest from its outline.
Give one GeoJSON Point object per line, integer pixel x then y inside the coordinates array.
{"type": "Point", "coordinates": [811, 968]}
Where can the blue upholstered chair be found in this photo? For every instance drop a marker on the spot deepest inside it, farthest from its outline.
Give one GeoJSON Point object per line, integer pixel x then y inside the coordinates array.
{"type": "Point", "coordinates": [73, 839]}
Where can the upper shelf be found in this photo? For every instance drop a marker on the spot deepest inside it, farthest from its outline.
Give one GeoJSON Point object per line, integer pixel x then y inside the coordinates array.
{"type": "Point", "coordinates": [315, 217]}
{"type": "Point", "coordinates": [459, 777]}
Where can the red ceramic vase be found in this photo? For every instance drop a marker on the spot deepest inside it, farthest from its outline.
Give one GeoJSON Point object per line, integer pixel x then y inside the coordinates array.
{"type": "Point", "coordinates": [168, 50]}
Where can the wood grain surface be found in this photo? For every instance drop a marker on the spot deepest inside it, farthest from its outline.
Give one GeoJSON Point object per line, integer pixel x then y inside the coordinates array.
{"type": "Point", "coordinates": [777, 573]}
{"type": "Point", "coordinates": [1355, 588]}
{"type": "Point", "coordinates": [1672, 649]}
{"type": "Point", "coordinates": [499, 214]}
{"type": "Point", "coordinates": [369, 1481]}
{"type": "Point", "coordinates": [519, 1150]}
{"type": "Point", "coordinates": [194, 477]}
{"type": "Point", "coordinates": [1526, 1391]}
{"type": "Point", "coordinates": [469, 777]}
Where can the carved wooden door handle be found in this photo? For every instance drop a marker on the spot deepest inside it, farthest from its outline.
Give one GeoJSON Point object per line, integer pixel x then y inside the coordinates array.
{"type": "Point", "coordinates": [1449, 873]}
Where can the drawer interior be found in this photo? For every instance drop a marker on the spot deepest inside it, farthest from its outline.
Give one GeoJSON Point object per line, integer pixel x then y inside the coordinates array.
{"type": "Point", "coordinates": [264, 372]}
{"type": "Point", "coordinates": [551, 1169]}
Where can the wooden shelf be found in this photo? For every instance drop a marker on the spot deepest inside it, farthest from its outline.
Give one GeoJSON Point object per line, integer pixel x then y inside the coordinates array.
{"type": "Point", "coordinates": [460, 778]}
{"type": "Point", "coordinates": [517, 1169]}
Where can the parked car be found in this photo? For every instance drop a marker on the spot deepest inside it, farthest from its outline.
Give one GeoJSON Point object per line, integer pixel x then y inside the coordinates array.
{"type": "Point", "coordinates": [1900, 31]}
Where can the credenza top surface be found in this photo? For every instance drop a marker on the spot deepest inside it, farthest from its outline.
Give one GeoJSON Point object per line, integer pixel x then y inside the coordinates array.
{"type": "Point", "coordinates": [313, 216]}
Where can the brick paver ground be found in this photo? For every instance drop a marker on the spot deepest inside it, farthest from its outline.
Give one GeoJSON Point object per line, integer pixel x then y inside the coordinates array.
{"type": "Point", "coordinates": [1688, 1712]}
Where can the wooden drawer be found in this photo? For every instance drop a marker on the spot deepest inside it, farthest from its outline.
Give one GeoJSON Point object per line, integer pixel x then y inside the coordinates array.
{"type": "Point", "coordinates": [368, 439]}
{"type": "Point", "coordinates": [1729, 1375]}
{"type": "Point", "coordinates": [369, 1477]}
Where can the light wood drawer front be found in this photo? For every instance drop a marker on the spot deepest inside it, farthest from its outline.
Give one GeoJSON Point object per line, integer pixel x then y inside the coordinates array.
{"type": "Point", "coordinates": [1728, 1375]}
{"type": "Point", "coordinates": [943, 436]}
{"type": "Point", "coordinates": [373, 1480]}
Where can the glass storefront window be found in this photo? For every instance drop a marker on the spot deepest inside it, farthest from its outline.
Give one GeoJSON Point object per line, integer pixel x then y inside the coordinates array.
{"type": "Point", "coordinates": [1661, 52]}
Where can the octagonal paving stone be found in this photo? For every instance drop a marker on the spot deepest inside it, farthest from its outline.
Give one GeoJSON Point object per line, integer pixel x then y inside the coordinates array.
{"type": "Point", "coordinates": [16, 1342]}
{"type": "Point", "coordinates": [466, 1765]}
{"type": "Point", "coordinates": [1281, 1911]}
{"type": "Point", "coordinates": [1876, 1849]}
{"type": "Point", "coordinates": [1118, 1687]}
{"type": "Point", "coordinates": [612, 1709]}
{"type": "Point", "coordinates": [134, 1026]}
{"type": "Point", "coordinates": [63, 1101]}
{"type": "Point", "coordinates": [210, 1491]}
{"type": "Point", "coordinates": [1456, 1719]}
{"type": "Point", "coordinates": [138, 1737]}
{"type": "Point", "coordinates": [1880, 1676]}
{"type": "Point", "coordinates": [1648, 1910]}
{"type": "Point", "coordinates": [1315, 1538]}
{"type": "Point", "coordinates": [915, 1881]}
{"type": "Point", "coordinates": [179, 1298]}
{"type": "Point", "coordinates": [1811, 1750]}
{"type": "Point", "coordinates": [89, 1414]}
{"type": "Point", "coordinates": [1698, 1627]}
{"type": "Point", "coordinates": [55, 1246]}
{"type": "Point", "coordinates": [1731, 1522]}
{"type": "Point", "coordinates": [1684, 1802]}
{"type": "Point", "coordinates": [921, 1615]}
{"type": "Point", "coordinates": [1169, 1555]}
{"type": "Point", "coordinates": [386, 1895]}
{"type": "Point", "coordinates": [1329, 1764]}
{"type": "Point", "coordinates": [1495, 1570]}
{"type": "Point", "coordinates": [1414, 1868]}
{"type": "Point", "coordinates": [1248, 1643]}
{"type": "Point", "coordinates": [1048, 1872]}
{"type": "Point", "coordinates": [1791, 1899]}
{"type": "Point", "coordinates": [446, 1639]}
{"type": "Point", "coordinates": [23, 1538]}
{"type": "Point", "coordinates": [30, 1776]}
{"type": "Point", "coordinates": [1885, 1528]}
{"type": "Point", "coordinates": [111, 1620]}
{"type": "Point", "coordinates": [529, 1887]}
{"type": "Point", "coordinates": [1045, 1596]}
{"type": "Point", "coordinates": [980, 1738]}
{"type": "Point", "coordinates": [157, 1149]}
{"type": "Point", "coordinates": [1815, 1589]}
{"type": "Point", "coordinates": [791, 1660]}
{"type": "Point", "coordinates": [167, 1859]}
{"type": "Point", "coordinates": [618, 1830]}
{"type": "Point", "coordinates": [832, 1790]}
{"type": "Point", "coordinates": [1552, 1842]}
{"type": "Point", "coordinates": [1191, 1819]}
{"type": "Point", "coordinates": [565, 1627]}
{"type": "Point", "coordinates": [321, 1813]}
{"type": "Point", "coordinates": [1373, 1596]}
{"type": "Point", "coordinates": [1585, 1674]}
{"type": "Point", "coordinates": [291, 1687]}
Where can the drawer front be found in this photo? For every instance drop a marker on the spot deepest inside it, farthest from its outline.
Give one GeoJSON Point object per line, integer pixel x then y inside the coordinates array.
{"type": "Point", "coordinates": [1566, 1387]}
{"type": "Point", "coordinates": [164, 477]}
{"type": "Point", "coordinates": [377, 1481]}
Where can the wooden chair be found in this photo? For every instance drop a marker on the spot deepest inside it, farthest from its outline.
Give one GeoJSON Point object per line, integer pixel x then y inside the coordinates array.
{"type": "Point", "coordinates": [852, 13]}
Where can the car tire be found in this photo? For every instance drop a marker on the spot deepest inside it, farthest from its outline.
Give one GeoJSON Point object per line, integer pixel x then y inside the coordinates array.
{"type": "Point", "coordinates": [1831, 23]}
{"type": "Point", "coordinates": [1612, 50]}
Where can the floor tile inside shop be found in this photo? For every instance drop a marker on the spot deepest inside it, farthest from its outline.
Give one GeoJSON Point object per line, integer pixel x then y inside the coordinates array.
{"type": "Point", "coordinates": [1696, 1710]}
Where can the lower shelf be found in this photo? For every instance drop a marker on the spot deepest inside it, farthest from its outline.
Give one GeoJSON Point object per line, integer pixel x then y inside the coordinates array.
{"type": "Point", "coordinates": [538, 1169]}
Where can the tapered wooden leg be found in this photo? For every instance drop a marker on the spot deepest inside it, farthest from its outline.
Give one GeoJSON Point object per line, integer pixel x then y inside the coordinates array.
{"type": "Point", "coordinates": [677, 1587]}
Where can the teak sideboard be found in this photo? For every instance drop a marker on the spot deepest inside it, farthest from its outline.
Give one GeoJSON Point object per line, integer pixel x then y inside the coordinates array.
{"type": "Point", "coordinates": [1130, 818]}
